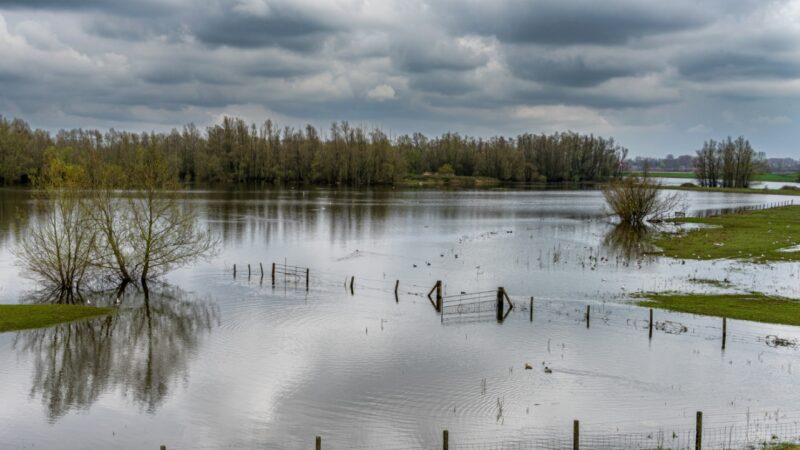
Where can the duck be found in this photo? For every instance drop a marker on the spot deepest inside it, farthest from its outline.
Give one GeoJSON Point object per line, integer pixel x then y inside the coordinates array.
{"type": "Point", "coordinates": [528, 366]}
{"type": "Point", "coordinates": [547, 370]}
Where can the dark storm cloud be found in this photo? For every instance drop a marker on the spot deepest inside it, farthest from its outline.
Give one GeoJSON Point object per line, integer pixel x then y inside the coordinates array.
{"type": "Point", "coordinates": [577, 22]}
{"type": "Point", "coordinates": [573, 71]}
{"type": "Point", "coordinates": [733, 64]}
{"type": "Point", "coordinates": [283, 28]}
{"type": "Point", "coordinates": [141, 8]}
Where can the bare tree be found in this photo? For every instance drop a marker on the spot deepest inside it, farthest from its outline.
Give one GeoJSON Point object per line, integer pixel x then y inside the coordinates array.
{"type": "Point", "coordinates": [635, 200]}
{"type": "Point", "coordinates": [164, 232]}
{"type": "Point", "coordinates": [58, 249]}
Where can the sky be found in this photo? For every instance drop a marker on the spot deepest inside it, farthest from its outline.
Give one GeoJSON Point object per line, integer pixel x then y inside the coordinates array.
{"type": "Point", "coordinates": [658, 77]}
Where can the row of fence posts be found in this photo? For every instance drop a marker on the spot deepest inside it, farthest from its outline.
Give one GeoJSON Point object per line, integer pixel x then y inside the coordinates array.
{"type": "Point", "coordinates": [295, 271]}
{"type": "Point", "coordinates": [576, 436]}
{"type": "Point", "coordinates": [502, 297]}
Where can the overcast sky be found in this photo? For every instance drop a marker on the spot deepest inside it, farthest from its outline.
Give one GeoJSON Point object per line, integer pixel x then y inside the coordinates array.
{"type": "Point", "coordinates": [660, 77]}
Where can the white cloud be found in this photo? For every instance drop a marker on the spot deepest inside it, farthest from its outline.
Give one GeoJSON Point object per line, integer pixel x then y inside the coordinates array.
{"type": "Point", "coordinates": [381, 93]}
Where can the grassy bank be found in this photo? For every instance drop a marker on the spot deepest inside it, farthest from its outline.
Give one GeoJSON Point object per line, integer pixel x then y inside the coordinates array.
{"type": "Point", "coordinates": [446, 181]}
{"type": "Point", "coordinates": [755, 307]}
{"type": "Point", "coordinates": [754, 235]}
{"type": "Point", "coordinates": [777, 177]}
{"type": "Point", "coordinates": [21, 317]}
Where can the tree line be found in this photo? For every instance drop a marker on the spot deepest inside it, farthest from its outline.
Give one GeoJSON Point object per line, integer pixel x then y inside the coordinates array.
{"type": "Point", "coordinates": [236, 152]}
{"type": "Point", "coordinates": [730, 163]}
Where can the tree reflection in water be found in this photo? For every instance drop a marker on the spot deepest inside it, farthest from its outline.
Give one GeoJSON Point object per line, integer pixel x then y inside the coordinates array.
{"type": "Point", "coordinates": [143, 351]}
{"type": "Point", "coordinates": [630, 241]}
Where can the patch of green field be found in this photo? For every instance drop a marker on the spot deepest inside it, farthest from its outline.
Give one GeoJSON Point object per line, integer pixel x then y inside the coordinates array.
{"type": "Point", "coordinates": [777, 177]}
{"type": "Point", "coordinates": [21, 317]}
{"type": "Point", "coordinates": [754, 306]}
{"type": "Point", "coordinates": [753, 235]}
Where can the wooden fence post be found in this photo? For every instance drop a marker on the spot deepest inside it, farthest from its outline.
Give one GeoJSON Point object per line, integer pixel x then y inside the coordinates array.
{"type": "Point", "coordinates": [588, 311]}
{"type": "Point", "coordinates": [396, 287]}
{"type": "Point", "coordinates": [262, 269]}
{"type": "Point", "coordinates": [576, 435]}
{"type": "Point", "coordinates": [698, 435]}
{"type": "Point", "coordinates": [163, 447]}
{"type": "Point", "coordinates": [724, 331]}
{"type": "Point", "coordinates": [531, 308]}
{"type": "Point", "coordinates": [500, 298]}
{"type": "Point", "coordinates": [650, 326]}
{"type": "Point", "coordinates": [234, 271]}
{"type": "Point", "coordinates": [352, 281]}
{"type": "Point", "coordinates": [248, 271]}
{"type": "Point", "coordinates": [439, 298]}
{"type": "Point", "coordinates": [273, 274]}
{"type": "Point", "coordinates": [445, 440]}
{"type": "Point", "coordinates": [319, 443]}
{"type": "Point", "coordinates": [307, 272]}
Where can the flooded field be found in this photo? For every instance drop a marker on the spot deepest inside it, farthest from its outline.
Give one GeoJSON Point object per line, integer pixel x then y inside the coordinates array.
{"type": "Point", "coordinates": [213, 361]}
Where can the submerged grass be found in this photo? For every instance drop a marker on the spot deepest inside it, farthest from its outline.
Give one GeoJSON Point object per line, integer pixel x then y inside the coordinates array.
{"type": "Point", "coordinates": [711, 282]}
{"type": "Point", "coordinates": [753, 235]}
{"type": "Point", "coordinates": [754, 306]}
{"type": "Point", "coordinates": [22, 317]}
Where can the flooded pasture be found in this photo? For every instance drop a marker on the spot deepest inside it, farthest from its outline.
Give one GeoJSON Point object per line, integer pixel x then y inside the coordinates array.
{"type": "Point", "coordinates": [209, 360]}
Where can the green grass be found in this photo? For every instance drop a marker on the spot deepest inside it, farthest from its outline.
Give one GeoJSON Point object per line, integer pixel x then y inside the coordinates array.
{"type": "Point", "coordinates": [754, 306]}
{"type": "Point", "coordinates": [777, 177]}
{"type": "Point", "coordinates": [21, 317]}
{"type": "Point", "coordinates": [754, 235]}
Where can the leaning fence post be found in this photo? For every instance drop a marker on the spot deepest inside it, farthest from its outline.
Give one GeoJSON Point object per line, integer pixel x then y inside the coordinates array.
{"type": "Point", "coordinates": [352, 280]}
{"type": "Point", "coordinates": [445, 440]}
{"type": "Point", "coordinates": [319, 443]}
{"type": "Point", "coordinates": [261, 265]}
{"type": "Point", "coordinates": [698, 435]}
{"type": "Point", "coordinates": [650, 325]}
{"type": "Point", "coordinates": [576, 435]}
{"type": "Point", "coordinates": [724, 331]}
{"type": "Point", "coordinates": [396, 286]}
{"type": "Point", "coordinates": [248, 271]}
{"type": "Point", "coordinates": [500, 295]}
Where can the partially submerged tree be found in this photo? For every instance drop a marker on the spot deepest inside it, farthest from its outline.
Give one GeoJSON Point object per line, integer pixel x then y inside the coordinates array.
{"type": "Point", "coordinates": [635, 200]}
{"type": "Point", "coordinates": [59, 249]}
{"type": "Point", "coordinates": [163, 231]}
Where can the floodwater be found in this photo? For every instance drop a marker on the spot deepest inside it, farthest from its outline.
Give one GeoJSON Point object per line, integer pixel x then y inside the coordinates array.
{"type": "Point", "coordinates": [213, 361]}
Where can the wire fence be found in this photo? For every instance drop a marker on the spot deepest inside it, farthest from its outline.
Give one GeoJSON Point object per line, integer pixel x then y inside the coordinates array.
{"type": "Point", "coordinates": [770, 431]}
